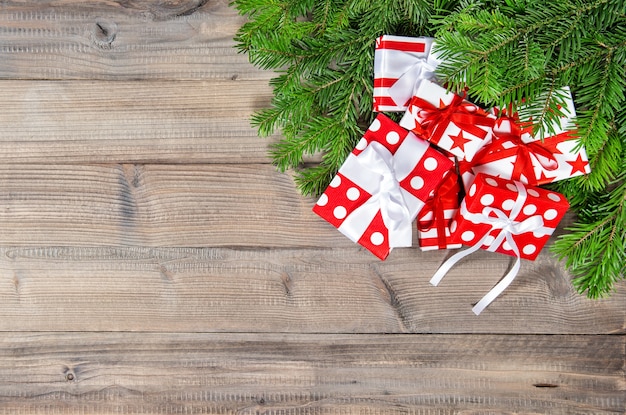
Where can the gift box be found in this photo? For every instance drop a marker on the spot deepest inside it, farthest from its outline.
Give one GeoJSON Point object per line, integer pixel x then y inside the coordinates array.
{"type": "Point", "coordinates": [504, 216]}
{"type": "Point", "coordinates": [381, 187]}
{"type": "Point", "coordinates": [400, 63]}
{"type": "Point", "coordinates": [433, 221]}
{"type": "Point", "coordinates": [448, 120]}
{"type": "Point", "coordinates": [515, 154]}
{"type": "Point", "coordinates": [528, 214]}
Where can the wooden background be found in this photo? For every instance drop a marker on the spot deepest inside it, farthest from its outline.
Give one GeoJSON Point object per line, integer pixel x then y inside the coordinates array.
{"type": "Point", "coordinates": [153, 261]}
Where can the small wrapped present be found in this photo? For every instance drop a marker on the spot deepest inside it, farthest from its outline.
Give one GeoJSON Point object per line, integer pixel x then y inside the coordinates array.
{"type": "Point", "coordinates": [515, 154]}
{"type": "Point", "coordinates": [400, 63]}
{"type": "Point", "coordinates": [381, 187]}
{"type": "Point", "coordinates": [433, 221]}
{"type": "Point", "coordinates": [448, 120]}
{"type": "Point", "coordinates": [504, 216]}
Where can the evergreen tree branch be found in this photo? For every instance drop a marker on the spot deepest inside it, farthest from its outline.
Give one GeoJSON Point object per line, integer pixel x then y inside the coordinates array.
{"type": "Point", "coordinates": [594, 250]}
{"type": "Point", "coordinates": [515, 53]}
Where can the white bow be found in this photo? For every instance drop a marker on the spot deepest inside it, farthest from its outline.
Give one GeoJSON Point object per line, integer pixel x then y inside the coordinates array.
{"type": "Point", "coordinates": [379, 173]}
{"type": "Point", "coordinates": [415, 69]}
{"type": "Point", "coordinates": [508, 227]}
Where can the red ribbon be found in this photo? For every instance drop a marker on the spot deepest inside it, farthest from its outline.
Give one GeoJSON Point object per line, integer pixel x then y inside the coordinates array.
{"type": "Point", "coordinates": [523, 164]}
{"type": "Point", "coordinates": [445, 196]}
{"type": "Point", "coordinates": [464, 114]}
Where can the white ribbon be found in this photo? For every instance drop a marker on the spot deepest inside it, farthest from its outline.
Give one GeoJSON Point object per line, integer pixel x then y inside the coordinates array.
{"type": "Point", "coordinates": [508, 227]}
{"type": "Point", "coordinates": [415, 69]}
{"type": "Point", "coordinates": [379, 172]}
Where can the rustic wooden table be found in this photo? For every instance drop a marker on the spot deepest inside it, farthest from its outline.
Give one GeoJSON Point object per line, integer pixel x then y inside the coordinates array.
{"type": "Point", "coordinates": [153, 261]}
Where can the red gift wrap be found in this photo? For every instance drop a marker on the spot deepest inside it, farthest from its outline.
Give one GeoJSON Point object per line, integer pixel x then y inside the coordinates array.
{"type": "Point", "coordinates": [504, 216]}
{"type": "Point", "coordinates": [492, 199]}
{"type": "Point", "coordinates": [400, 63]}
{"type": "Point", "coordinates": [433, 221]}
{"type": "Point", "coordinates": [448, 120]}
{"type": "Point", "coordinates": [382, 186]}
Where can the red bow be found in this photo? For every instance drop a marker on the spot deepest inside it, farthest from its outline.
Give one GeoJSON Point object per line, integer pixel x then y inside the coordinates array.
{"type": "Point", "coordinates": [464, 114]}
{"type": "Point", "coordinates": [446, 196]}
{"type": "Point", "coordinates": [522, 150]}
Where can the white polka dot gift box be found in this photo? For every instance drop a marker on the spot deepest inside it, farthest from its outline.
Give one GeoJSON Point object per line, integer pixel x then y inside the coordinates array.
{"type": "Point", "coordinates": [400, 63]}
{"type": "Point", "coordinates": [448, 120]}
{"type": "Point", "coordinates": [434, 220]}
{"type": "Point", "coordinates": [504, 216]}
{"type": "Point", "coordinates": [515, 154]}
{"type": "Point", "coordinates": [382, 186]}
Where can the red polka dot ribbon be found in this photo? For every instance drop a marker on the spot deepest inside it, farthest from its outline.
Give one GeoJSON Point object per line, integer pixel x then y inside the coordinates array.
{"type": "Point", "coordinates": [507, 226]}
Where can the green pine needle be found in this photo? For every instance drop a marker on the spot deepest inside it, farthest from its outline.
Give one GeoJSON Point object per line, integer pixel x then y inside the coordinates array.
{"type": "Point", "coordinates": [517, 53]}
{"type": "Point", "coordinates": [596, 246]}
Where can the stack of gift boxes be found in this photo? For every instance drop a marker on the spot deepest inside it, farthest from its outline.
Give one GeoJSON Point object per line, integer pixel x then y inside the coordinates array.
{"type": "Point", "coordinates": [462, 174]}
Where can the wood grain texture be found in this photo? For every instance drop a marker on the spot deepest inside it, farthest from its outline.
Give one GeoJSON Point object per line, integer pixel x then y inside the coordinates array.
{"type": "Point", "coordinates": [157, 205]}
{"type": "Point", "coordinates": [72, 39]}
{"type": "Point", "coordinates": [189, 205]}
{"type": "Point", "coordinates": [153, 261]}
{"type": "Point", "coordinates": [300, 374]}
{"type": "Point", "coordinates": [286, 290]}
{"type": "Point", "coordinates": [121, 122]}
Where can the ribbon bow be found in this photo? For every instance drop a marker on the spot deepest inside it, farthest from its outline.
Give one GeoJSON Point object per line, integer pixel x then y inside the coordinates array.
{"type": "Point", "coordinates": [523, 165]}
{"type": "Point", "coordinates": [414, 69]}
{"type": "Point", "coordinates": [507, 226]}
{"type": "Point", "coordinates": [380, 173]}
{"type": "Point", "coordinates": [446, 193]}
{"type": "Point", "coordinates": [435, 120]}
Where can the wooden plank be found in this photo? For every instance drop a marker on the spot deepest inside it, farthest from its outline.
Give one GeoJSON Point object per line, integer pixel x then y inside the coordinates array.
{"type": "Point", "coordinates": [75, 373]}
{"type": "Point", "coordinates": [150, 121]}
{"type": "Point", "coordinates": [72, 39]}
{"type": "Point", "coordinates": [157, 205]}
{"type": "Point", "coordinates": [286, 290]}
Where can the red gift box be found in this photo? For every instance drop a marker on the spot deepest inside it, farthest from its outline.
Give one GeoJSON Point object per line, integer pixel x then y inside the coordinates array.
{"type": "Point", "coordinates": [433, 221]}
{"type": "Point", "coordinates": [399, 64]}
{"type": "Point", "coordinates": [515, 154]}
{"type": "Point", "coordinates": [504, 216]}
{"type": "Point", "coordinates": [381, 187]}
{"type": "Point", "coordinates": [448, 120]}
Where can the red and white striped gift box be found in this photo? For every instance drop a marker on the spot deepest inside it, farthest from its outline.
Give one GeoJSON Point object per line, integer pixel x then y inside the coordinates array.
{"type": "Point", "coordinates": [400, 62]}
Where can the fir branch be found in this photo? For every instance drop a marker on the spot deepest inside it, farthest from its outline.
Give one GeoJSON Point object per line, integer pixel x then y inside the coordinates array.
{"type": "Point", "coordinates": [323, 96]}
{"type": "Point", "coordinates": [515, 53]}
{"type": "Point", "coordinates": [595, 249]}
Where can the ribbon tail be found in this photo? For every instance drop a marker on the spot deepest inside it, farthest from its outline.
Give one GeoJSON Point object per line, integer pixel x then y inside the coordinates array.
{"type": "Point", "coordinates": [500, 286]}
{"type": "Point", "coordinates": [446, 266]}
{"type": "Point", "coordinates": [402, 236]}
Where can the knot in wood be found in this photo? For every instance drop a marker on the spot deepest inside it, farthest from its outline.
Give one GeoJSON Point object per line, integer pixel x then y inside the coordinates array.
{"type": "Point", "coordinates": [104, 33]}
